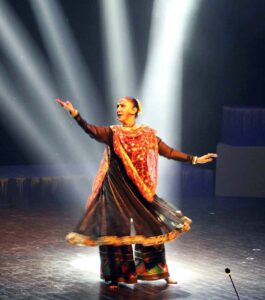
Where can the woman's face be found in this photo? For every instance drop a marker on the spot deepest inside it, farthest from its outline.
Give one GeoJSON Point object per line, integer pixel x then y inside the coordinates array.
{"type": "Point", "coordinates": [125, 110]}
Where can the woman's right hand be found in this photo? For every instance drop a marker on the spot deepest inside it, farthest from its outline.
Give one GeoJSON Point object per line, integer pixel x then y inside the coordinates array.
{"type": "Point", "coordinates": [67, 105]}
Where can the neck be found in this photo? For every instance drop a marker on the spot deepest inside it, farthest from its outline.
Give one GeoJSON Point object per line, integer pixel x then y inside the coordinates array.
{"type": "Point", "coordinates": [129, 123]}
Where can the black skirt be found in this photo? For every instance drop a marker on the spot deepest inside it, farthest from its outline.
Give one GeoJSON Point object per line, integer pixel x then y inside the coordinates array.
{"type": "Point", "coordinates": [118, 207]}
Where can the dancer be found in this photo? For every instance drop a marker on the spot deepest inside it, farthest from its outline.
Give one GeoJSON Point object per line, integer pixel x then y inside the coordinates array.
{"type": "Point", "coordinates": [124, 197]}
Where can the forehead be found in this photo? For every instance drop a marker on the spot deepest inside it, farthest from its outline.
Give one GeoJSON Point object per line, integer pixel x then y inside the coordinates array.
{"type": "Point", "coordinates": [124, 101]}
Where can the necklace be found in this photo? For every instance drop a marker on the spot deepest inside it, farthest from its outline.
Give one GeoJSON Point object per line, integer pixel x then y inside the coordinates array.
{"type": "Point", "coordinates": [129, 126]}
{"type": "Point", "coordinates": [133, 127]}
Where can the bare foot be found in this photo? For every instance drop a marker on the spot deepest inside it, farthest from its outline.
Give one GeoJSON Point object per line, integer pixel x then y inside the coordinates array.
{"type": "Point", "coordinates": [113, 286]}
{"type": "Point", "coordinates": [170, 281]}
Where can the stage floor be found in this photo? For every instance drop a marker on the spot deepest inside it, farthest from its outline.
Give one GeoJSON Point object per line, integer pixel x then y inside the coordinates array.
{"type": "Point", "coordinates": [37, 263]}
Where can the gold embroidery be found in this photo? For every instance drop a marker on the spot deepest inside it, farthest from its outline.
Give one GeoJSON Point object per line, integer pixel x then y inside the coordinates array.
{"type": "Point", "coordinates": [138, 150]}
{"type": "Point", "coordinates": [83, 240]}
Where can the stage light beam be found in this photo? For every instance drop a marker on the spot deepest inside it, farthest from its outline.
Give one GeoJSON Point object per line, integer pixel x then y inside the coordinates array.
{"type": "Point", "coordinates": [17, 43]}
{"type": "Point", "coordinates": [66, 57]}
{"type": "Point", "coordinates": [119, 55]}
{"type": "Point", "coordinates": [161, 87]}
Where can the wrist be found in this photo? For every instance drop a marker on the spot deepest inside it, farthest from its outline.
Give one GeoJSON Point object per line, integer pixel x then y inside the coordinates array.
{"type": "Point", "coordinates": [74, 113]}
{"type": "Point", "coordinates": [194, 160]}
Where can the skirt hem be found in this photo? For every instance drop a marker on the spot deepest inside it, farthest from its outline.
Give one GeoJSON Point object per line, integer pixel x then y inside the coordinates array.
{"type": "Point", "coordinates": [153, 276]}
{"type": "Point", "coordinates": [75, 238]}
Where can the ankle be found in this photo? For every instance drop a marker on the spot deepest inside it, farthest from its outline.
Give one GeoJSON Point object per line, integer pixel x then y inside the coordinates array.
{"type": "Point", "coordinates": [113, 285]}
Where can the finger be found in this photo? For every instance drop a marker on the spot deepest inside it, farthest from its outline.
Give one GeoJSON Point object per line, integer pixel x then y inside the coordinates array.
{"type": "Point", "coordinates": [213, 154]}
{"type": "Point", "coordinates": [59, 101]}
{"type": "Point", "coordinates": [209, 155]}
{"type": "Point", "coordinates": [62, 104]}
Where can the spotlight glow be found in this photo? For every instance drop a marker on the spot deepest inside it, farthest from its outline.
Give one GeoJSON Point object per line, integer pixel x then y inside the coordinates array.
{"type": "Point", "coordinates": [181, 272]}
{"type": "Point", "coordinates": [19, 118]}
{"type": "Point", "coordinates": [87, 263]}
{"type": "Point", "coordinates": [120, 62]}
{"type": "Point", "coordinates": [17, 43]}
{"type": "Point", "coordinates": [66, 57]}
{"type": "Point", "coordinates": [161, 87]}
{"type": "Point", "coordinates": [91, 263]}
{"type": "Point", "coordinates": [31, 67]}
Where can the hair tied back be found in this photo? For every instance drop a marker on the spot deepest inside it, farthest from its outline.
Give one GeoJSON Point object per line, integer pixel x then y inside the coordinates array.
{"type": "Point", "coordinates": [140, 109]}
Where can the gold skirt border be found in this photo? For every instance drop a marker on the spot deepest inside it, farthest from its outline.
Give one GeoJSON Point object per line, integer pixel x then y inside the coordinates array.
{"type": "Point", "coordinates": [84, 240]}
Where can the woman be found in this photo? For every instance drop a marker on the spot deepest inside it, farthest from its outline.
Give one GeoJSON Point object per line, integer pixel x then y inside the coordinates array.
{"type": "Point", "coordinates": [124, 197]}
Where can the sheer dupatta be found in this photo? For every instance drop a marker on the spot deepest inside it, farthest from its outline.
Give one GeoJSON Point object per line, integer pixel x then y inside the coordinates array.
{"type": "Point", "coordinates": [138, 150]}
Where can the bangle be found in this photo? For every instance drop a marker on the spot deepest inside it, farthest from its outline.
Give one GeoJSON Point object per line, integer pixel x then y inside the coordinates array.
{"type": "Point", "coordinates": [74, 113]}
{"type": "Point", "coordinates": [194, 160]}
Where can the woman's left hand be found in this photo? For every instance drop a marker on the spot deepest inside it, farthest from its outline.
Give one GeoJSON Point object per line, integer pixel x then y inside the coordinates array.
{"type": "Point", "coordinates": [206, 158]}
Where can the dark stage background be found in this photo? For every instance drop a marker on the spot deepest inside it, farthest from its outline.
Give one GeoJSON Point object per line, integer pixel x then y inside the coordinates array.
{"type": "Point", "coordinates": [46, 175]}
{"type": "Point", "coordinates": [223, 65]}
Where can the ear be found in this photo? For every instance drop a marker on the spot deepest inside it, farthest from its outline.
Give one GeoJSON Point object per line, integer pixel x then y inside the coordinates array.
{"type": "Point", "coordinates": [134, 110]}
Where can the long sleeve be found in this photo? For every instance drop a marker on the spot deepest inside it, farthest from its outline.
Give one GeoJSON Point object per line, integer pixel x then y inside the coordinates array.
{"type": "Point", "coordinates": [102, 134]}
{"type": "Point", "coordinates": [170, 153]}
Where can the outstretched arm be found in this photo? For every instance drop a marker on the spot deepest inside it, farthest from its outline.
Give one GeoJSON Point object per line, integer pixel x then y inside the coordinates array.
{"type": "Point", "coordinates": [100, 133]}
{"type": "Point", "coordinates": [170, 153]}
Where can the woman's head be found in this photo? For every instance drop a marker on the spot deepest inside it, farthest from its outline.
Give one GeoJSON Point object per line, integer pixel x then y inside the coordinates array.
{"type": "Point", "coordinates": [128, 108]}
{"type": "Point", "coordinates": [136, 103]}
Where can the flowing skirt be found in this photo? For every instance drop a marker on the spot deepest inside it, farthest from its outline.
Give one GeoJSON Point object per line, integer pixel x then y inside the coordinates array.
{"type": "Point", "coordinates": [118, 217]}
{"type": "Point", "coordinates": [118, 205]}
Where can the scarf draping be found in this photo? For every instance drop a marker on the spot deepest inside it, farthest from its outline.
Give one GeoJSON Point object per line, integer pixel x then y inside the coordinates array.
{"type": "Point", "coordinates": [138, 150]}
{"type": "Point", "coordinates": [103, 168]}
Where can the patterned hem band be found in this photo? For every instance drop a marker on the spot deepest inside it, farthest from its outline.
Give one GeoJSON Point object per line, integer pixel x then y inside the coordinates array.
{"type": "Point", "coordinates": [83, 240]}
{"type": "Point", "coordinates": [153, 276]}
